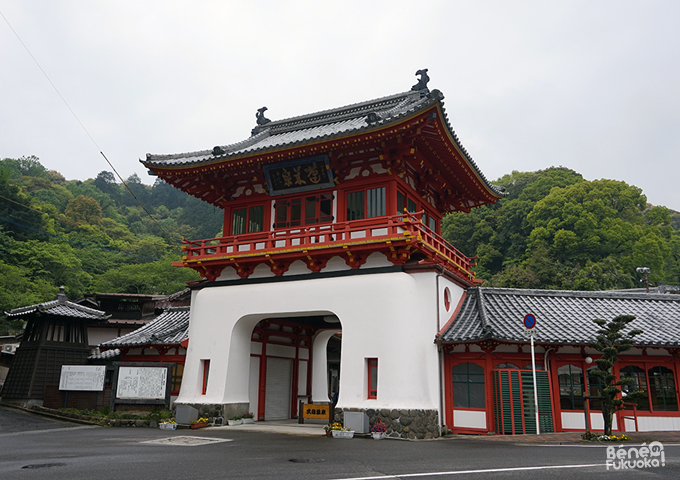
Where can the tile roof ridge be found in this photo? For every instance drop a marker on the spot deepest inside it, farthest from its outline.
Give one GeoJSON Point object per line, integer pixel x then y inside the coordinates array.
{"type": "Point", "coordinates": [92, 311]}
{"type": "Point", "coordinates": [581, 293]}
{"type": "Point", "coordinates": [486, 328]}
{"type": "Point", "coordinates": [302, 122]}
{"type": "Point", "coordinates": [180, 308]}
{"type": "Point", "coordinates": [354, 109]}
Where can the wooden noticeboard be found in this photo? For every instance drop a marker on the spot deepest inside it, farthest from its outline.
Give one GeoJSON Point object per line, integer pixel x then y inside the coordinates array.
{"type": "Point", "coordinates": [320, 411]}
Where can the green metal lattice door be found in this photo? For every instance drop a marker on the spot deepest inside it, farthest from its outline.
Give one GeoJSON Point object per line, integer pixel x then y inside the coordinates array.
{"type": "Point", "coordinates": [513, 394]}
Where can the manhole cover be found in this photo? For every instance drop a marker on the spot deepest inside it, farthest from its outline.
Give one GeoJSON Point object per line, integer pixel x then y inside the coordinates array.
{"type": "Point", "coordinates": [306, 460]}
{"type": "Point", "coordinates": [186, 441]}
{"type": "Point", "coordinates": [45, 465]}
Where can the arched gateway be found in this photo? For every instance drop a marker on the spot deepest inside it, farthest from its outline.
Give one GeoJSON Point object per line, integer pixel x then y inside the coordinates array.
{"type": "Point", "coordinates": [331, 215]}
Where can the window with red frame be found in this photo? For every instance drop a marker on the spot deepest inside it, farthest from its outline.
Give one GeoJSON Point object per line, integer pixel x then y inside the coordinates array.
{"type": "Point", "coordinates": [658, 384]}
{"type": "Point", "coordinates": [570, 379]}
{"type": "Point", "coordinates": [468, 385]}
{"type": "Point", "coordinates": [406, 203]}
{"type": "Point", "coordinates": [372, 377]}
{"type": "Point", "coordinates": [366, 204]}
{"type": "Point", "coordinates": [308, 210]}
{"type": "Point", "coordinates": [247, 220]}
{"type": "Point", "coordinates": [206, 372]}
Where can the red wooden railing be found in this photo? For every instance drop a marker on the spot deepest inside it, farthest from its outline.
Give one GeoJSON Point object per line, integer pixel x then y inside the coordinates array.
{"type": "Point", "coordinates": [370, 230]}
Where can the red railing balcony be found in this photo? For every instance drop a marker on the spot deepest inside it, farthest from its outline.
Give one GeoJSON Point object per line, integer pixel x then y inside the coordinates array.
{"type": "Point", "coordinates": [398, 236]}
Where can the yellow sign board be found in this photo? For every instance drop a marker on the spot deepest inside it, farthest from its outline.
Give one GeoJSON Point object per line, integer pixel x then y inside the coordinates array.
{"type": "Point", "coordinates": [310, 410]}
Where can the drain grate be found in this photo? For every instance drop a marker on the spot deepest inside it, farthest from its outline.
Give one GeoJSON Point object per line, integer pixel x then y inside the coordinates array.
{"type": "Point", "coordinates": [44, 465]}
{"type": "Point", "coordinates": [187, 441]}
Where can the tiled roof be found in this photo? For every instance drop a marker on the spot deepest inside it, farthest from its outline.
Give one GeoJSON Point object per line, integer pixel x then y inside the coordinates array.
{"type": "Point", "coordinates": [324, 125]}
{"type": "Point", "coordinates": [562, 316]}
{"type": "Point", "coordinates": [105, 355]}
{"type": "Point", "coordinates": [62, 307]}
{"type": "Point", "coordinates": [177, 299]}
{"type": "Point", "coordinates": [169, 328]}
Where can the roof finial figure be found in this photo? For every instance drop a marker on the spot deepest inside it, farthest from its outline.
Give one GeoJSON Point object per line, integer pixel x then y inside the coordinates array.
{"type": "Point", "coordinates": [261, 120]}
{"type": "Point", "coordinates": [422, 82]}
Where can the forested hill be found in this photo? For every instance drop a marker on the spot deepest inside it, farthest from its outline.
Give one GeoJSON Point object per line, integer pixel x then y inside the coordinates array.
{"type": "Point", "coordinates": [92, 235]}
{"type": "Point", "coordinates": [554, 230]}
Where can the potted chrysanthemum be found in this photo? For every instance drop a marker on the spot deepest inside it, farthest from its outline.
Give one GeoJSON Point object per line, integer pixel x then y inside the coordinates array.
{"type": "Point", "coordinates": [341, 432]}
{"type": "Point", "coordinates": [378, 430]}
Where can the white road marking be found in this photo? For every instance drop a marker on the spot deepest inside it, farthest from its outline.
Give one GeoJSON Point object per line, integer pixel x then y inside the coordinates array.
{"type": "Point", "coordinates": [48, 430]}
{"type": "Point", "coordinates": [187, 441]}
{"type": "Point", "coordinates": [465, 472]}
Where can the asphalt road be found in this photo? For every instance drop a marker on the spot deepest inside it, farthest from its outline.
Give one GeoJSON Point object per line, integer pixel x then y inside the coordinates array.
{"type": "Point", "coordinates": [36, 448]}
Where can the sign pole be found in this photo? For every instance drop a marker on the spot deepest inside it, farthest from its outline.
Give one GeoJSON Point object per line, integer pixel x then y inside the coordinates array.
{"type": "Point", "coordinates": [533, 369]}
{"type": "Point", "coordinates": [530, 323]}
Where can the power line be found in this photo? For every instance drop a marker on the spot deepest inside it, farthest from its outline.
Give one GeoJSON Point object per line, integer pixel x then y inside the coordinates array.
{"type": "Point", "coordinates": [75, 241]}
{"type": "Point", "coordinates": [45, 213]}
{"type": "Point", "coordinates": [83, 126]}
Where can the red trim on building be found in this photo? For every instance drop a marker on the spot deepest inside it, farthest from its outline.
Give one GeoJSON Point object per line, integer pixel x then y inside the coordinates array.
{"type": "Point", "coordinates": [454, 314]}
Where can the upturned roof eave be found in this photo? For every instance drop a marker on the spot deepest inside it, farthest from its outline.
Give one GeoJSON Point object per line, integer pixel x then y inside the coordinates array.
{"type": "Point", "coordinates": [413, 104]}
{"type": "Point", "coordinates": [228, 158]}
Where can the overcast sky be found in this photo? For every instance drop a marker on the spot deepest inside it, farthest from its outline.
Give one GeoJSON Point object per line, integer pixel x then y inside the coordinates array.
{"type": "Point", "coordinates": [589, 85]}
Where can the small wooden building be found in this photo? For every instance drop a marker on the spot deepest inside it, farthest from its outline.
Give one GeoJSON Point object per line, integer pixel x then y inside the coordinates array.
{"type": "Point", "coordinates": [55, 335]}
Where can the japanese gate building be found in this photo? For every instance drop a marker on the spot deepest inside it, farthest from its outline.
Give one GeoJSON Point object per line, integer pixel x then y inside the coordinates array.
{"type": "Point", "coordinates": [331, 224]}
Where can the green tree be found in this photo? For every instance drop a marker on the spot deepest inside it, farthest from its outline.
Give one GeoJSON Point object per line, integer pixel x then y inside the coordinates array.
{"type": "Point", "coordinates": [498, 233]}
{"type": "Point", "coordinates": [18, 211]}
{"type": "Point", "coordinates": [158, 277]}
{"type": "Point", "coordinates": [84, 209]}
{"type": "Point", "coordinates": [52, 262]}
{"type": "Point", "coordinates": [611, 340]}
{"type": "Point", "coordinates": [18, 289]}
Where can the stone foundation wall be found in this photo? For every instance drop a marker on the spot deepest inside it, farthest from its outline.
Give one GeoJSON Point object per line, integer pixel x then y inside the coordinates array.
{"type": "Point", "coordinates": [410, 424]}
{"type": "Point", "coordinates": [217, 410]}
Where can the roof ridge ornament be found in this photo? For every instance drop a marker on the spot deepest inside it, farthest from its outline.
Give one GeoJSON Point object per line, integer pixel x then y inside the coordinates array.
{"type": "Point", "coordinates": [61, 296]}
{"type": "Point", "coordinates": [261, 120]}
{"type": "Point", "coordinates": [486, 328]}
{"type": "Point", "coordinates": [373, 117]}
{"type": "Point", "coordinates": [421, 86]}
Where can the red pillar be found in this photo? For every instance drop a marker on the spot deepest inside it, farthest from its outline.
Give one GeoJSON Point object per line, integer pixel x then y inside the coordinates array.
{"type": "Point", "coordinates": [263, 379]}
{"type": "Point", "coordinates": [488, 386]}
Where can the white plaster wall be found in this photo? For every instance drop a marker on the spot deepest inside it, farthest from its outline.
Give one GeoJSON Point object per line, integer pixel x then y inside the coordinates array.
{"type": "Point", "coordinates": [469, 419]}
{"type": "Point", "coordinates": [389, 316]}
{"type": "Point", "coordinates": [319, 369]}
{"type": "Point", "coordinates": [577, 421]}
{"type": "Point", "coordinates": [96, 336]}
{"type": "Point", "coordinates": [597, 421]}
{"type": "Point", "coordinates": [651, 424]}
{"type": "Point", "coordinates": [455, 295]}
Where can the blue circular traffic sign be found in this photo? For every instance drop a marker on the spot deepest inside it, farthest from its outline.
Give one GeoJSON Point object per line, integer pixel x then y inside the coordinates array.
{"type": "Point", "coordinates": [529, 321]}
